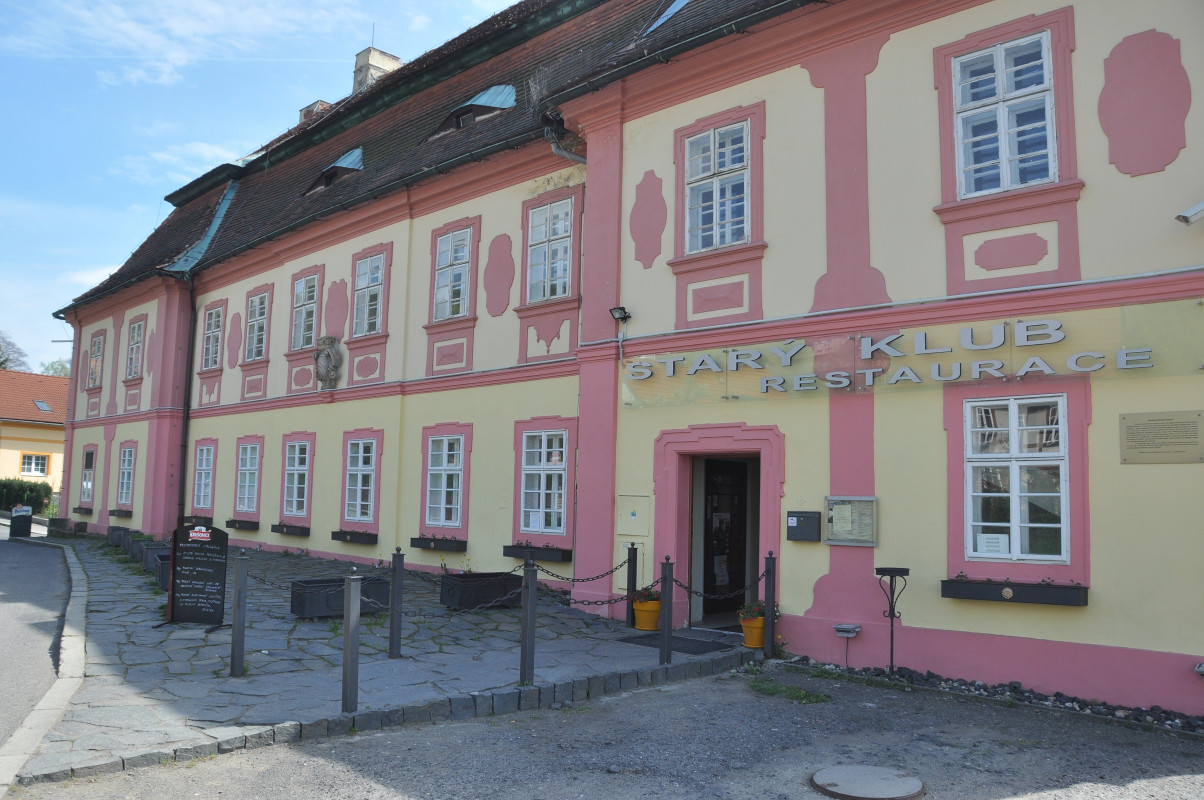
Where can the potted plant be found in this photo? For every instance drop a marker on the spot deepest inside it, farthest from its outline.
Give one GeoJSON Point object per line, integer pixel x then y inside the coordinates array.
{"type": "Point", "coordinates": [647, 605]}
{"type": "Point", "coordinates": [752, 622]}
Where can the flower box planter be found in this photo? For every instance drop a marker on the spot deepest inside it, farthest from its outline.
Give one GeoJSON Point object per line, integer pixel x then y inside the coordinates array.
{"type": "Point", "coordinates": [162, 564]}
{"type": "Point", "coordinates": [291, 530]}
{"type": "Point", "coordinates": [323, 597]}
{"type": "Point", "coordinates": [114, 534]}
{"type": "Point", "coordinates": [469, 590]}
{"type": "Point", "coordinates": [124, 513]}
{"type": "Point", "coordinates": [561, 554]}
{"type": "Point", "coordinates": [243, 524]}
{"type": "Point", "coordinates": [448, 545]}
{"type": "Point", "coordinates": [353, 537]}
{"type": "Point", "coordinates": [83, 511]}
{"type": "Point", "coordinates": [150, 550]}
{"type": "Point", "coordinates": [197, 520]}
{"type": "Point", "coordinates": [1007, 592]}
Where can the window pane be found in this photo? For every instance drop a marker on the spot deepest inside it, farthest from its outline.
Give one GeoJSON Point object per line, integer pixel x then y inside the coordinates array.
{"type": "Point", "coordinates": [699, 156]}
{"type": "Point", "coordinates": [730, 146]}
{"type": "Point", "coordinates": [980, 151]}
{"type": "Point", "coordinates": [992, 540]}
{"type": "Point", "coordinates": [976, 79]}
{"type": "Point", "coordinates": [1041, 541]}
{"type": "Point", "coordinates": [1024, 65]}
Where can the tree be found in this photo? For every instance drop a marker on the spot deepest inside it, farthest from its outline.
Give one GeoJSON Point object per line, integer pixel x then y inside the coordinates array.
{"type": "Point", "coordinates": [11, 355]}
{"type": "Point", "coordinates": [59, 368]}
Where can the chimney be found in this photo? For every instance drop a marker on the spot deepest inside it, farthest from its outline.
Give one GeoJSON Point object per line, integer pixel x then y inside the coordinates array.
{"type": "Point", "coordinates": [316, 107]}
{"type": "Point", "coordinates": [370, 64]}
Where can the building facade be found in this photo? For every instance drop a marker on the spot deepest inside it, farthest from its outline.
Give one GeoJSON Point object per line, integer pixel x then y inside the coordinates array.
{"type": "Point", "coordinates": [33, 412]}
{"type": "Point", "coordinates": [858, 284]}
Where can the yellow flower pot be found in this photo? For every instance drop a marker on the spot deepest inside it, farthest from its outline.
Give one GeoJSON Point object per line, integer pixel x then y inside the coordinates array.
{"type": "Point", "coordinates": [754, 632]}
{"type": "Point", "coordinates": [647, 614]}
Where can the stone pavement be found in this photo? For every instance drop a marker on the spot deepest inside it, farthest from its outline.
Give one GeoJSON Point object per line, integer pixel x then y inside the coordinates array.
{"type": "Point", "coordinates": [148, 694]}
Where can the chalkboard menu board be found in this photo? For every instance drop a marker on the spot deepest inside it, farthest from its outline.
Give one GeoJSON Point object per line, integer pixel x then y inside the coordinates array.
{"type": "Point", "coordinates": [198, 574]}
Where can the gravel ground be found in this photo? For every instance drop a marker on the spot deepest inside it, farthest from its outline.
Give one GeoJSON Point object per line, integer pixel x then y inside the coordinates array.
{"type": "Point", "coordinates": [735, 737]}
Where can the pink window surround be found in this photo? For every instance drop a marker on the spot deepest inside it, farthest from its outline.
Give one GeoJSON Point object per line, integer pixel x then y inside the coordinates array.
{"type": "Point", "coordinates": [548, 317]}
{"type": "Point", "coordinates": [456, 332]}
{"type": "Point", "coordinates": [733, 261]}
{"type": "Point", "coordinates": [446, 429]}
{"type": "Point", "coordinates": [92, 392]}
{"type": "Point", "coordinates": [366, 354]}
{"type": "Point", "coordinates": [253, 385]}
{"type": "Point", "coordinates": [1078, 418]}
{"type": "Point", "coordinates": [311, 439]}
{"type": "Point", "coordinates": [377, 436]}
{"type": "Point", "coordinates": [302, 375]}
{"type": "Point", "coordinates": [128, 444]}
{"type": "Point", "coordinates": [247, 515]}
{"type": "Point", "coordinates": [205, 511]}
{"type": "Point", "coordinates": [89, 448]}
{"type": "Point", "coordinates": [672, 472]}
{"type": "Point", "coordinates": [133, 386]}
{"type": "Point", "coordinates": [211, 379]}
{"type": "Point", "coordinates": [534, 425]}
{"type": "Point", "coordinates": [1052, 202]}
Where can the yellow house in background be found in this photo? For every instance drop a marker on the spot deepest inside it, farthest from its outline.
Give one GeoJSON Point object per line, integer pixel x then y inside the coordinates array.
{"type": "Point", "coordinates": [33, 411]}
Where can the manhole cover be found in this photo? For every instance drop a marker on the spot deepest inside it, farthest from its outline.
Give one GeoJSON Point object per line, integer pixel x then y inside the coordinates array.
{"type": "Point", "coordinates": [867, 783]}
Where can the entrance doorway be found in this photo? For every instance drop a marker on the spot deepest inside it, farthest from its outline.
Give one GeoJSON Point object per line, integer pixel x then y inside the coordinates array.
{"type": "Point", "coordinates": [725, 538]}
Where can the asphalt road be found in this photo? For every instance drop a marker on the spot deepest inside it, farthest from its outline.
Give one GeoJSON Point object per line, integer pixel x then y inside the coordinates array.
{"type": "Point", "coordinates": [720, 738]}
{"type": "Point", "coordinates": [33, 594]}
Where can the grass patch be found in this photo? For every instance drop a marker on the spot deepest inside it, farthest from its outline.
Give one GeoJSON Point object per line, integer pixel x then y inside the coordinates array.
{"type": "Point", "coordinates": [763, 684]}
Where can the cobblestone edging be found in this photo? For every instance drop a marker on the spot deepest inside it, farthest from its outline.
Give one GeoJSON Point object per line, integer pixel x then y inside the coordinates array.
{"type": "Point", "coordinates": [454, 707]}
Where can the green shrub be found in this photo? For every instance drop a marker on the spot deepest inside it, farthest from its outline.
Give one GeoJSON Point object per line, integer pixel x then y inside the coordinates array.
{"type": "Point", "coordinates": [34, 494]}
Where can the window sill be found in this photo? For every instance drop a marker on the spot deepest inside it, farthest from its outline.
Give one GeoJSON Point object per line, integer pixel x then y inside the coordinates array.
{"type": "Point", "coordinates": [210, 372]}
{"type": "Point", "coordinates": [451, 324]}
{"type": "Point", "coordinates": [718, 257]}
{"type": "Point", "coordinates": [554, 305]}
{"type": "Point", "coordinates": [353, 537]}
{"type": "Point", "coordinates": [1007, 592]}
{"type": "Point", "coordinates": [133, 382]}
{"type": "Point", "coordinates": [367, 340]}
{"type": "Point", "coordinates": [1066, 191]}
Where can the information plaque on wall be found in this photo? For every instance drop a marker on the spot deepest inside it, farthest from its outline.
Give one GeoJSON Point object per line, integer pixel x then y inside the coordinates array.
{"type": "Point", "coordinates": [1166, 437]}
{"type": "Point", "coordinates": [852, 521]}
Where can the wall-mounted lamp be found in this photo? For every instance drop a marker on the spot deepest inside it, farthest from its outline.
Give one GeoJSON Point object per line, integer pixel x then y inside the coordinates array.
{"type": "Point", "coordinates": [1200, 670]}
{"type": "Point", "coordinates": [1193, 214]}
{"type": "Point", "coordinates": [620, 313]}
{"type": "Point", "coordinates": [846, 630]}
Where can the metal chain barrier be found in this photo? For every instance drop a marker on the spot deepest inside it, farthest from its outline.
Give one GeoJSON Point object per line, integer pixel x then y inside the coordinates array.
{"type": "Point", "coordinates": [727, 596]}
{"type": "Point", "coordinates": [609, 572]}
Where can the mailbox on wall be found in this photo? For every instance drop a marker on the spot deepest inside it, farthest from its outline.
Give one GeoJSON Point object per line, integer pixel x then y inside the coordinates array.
{"type": "Point", "coordinates": [803, 526]}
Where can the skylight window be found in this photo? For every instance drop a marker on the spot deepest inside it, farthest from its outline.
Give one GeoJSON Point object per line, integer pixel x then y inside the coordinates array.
{"type": "Point", "coordinates": [42, 405]}
{"type": "Point", "coordinates": [492, 101]}
{"type": "Point", "coordinates": [351, 161]}
{"type": "Point", "coordinates": [674, 7]}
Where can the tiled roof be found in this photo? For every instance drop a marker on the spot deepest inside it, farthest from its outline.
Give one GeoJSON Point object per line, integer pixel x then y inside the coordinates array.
{"type": "Point", "coordinates": [20, 391]}
{"type": "Point", "coordinates": [549, 50]}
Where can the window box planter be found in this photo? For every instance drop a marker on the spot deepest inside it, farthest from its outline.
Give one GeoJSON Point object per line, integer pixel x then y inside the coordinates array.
{"type": "Point", "coordinates": [124, 513]}
{"type": "Point", "coordinates": [448, 545]}
{"type": "Point", "coordinates": [114, 535]}
{"type": "Point", "coordinates": [561, 554]}
{"type": "Point", "coordinates": [291, 530]}
{"type": "Point", "coordinates": [323, 597]}
{"type": "Point", "coordinates": [1006, 592]}
{"type": "Point", "coordinates": [469, 590]}
{"type": "Point", "coordinates": [152, 549]}
{"type": "Point", "coordinates": [83, 511]}
{"type": "Point", "coordinates": [243, 524]}
{"type": "Point", "coordinates": [353, 537]}
{"type": "Point", "coordinates": [197, 520]}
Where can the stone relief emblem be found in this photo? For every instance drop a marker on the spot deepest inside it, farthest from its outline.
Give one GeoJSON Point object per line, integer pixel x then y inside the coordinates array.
{"type": "Point", "coordinates": [328, 359]}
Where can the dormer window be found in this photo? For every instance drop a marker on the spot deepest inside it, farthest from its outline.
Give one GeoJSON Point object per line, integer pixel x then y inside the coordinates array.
{"type": "Point", "coordinates": [351, 161]}
{"type": "Point", "coordinates": [493, 100]}
{"type": "Point", "coordinates": [465, 118]}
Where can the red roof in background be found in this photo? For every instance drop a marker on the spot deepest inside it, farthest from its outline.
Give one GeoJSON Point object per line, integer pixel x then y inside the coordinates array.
{"type": "Point", "coordinates": [19, 392]}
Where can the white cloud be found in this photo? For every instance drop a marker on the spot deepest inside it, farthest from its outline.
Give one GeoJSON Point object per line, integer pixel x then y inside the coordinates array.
{"type": "Point", "coordinates": [84, 278]}
{"type": "Point", "coordinates": [175, 164]}
{"type": "Point", "coordinates": [420, 22]}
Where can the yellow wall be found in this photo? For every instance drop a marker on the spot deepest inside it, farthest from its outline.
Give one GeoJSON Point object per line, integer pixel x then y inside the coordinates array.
{"type": "Point", "coordinates": [17, 439]}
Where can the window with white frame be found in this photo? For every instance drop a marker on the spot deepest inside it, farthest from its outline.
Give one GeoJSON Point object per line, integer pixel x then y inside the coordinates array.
{"type": "Point", "coordinates": [361, 474]}
{"type": "Point", "coordinates": [248, 478]}
{"type": "Point", "coordinates": [1003, 101]}
{"type": "Point", "coordinates": [717, 188]}
{"type": "Point", "coordinates": [125, 477]}
{"type": "Point", "coordinates": [305, 311]}
{"type": "Point", "coordinates": [445, 480]}
{"type": "Point", "coordinates": [369, 274]}
{"type": "Point", "coordinates": [257, 327]}
{"type": "Point", "coordinates": [133, 352]}
{"type": "Point", "coordinates": [202, 484]}
{"type": "Point", "coordinates": [549, 250]}
{"type": "Point", "coordinates": [296, 479]}
{"type": "Point", "coordinates": [544, 473]}
{"type": "Point", "coordinates": [96, 357]}
{"type": "Point", "coordinates": [34, 464]}
{"type": "Point", "coordinates": [211, 344]}
{"type": "Point", "coordinates": [1016, 481]}
{"type": "Point", "coordinates": [453, 254]}
{"type": "Point", "coordinates": [86, 475]}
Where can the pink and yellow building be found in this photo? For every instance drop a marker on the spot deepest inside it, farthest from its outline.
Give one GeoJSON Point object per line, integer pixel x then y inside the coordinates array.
{"type": "Point", "coordinates": [861, 284]}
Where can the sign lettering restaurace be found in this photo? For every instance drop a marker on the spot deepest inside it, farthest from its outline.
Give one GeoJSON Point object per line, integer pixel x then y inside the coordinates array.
{"type": "Point", "coordinates": [1000, 350]}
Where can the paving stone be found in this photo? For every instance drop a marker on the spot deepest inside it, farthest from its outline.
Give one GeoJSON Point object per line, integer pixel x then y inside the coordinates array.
{"type": "Point", "coordinates": [580, 690]}
{"type": "Point", "coordinates": [597, 685]}
{"type": "Point", "coordinates": [528, 698]}
{"type": "Point", "coordinates": [286, 732]}
{"type": "Point", "coordinates": [613, 683]}
{"type": "Point", "coordinates": [391, 718]}
{"type": "Point", "coordinates": [506, 701]}
{"type": "Point", "coordinates": [195, 751]}
{"type": "Point", "coordinates": [628, 680]}
{"type": "Point", "coordinates": [547, 695]}
{"type": "Point", "coordinates": [463, 706]}
{"type": "Point", "coordinates": [420, 713]}
{"type": "Point", "coordinates": [260, 738]}
{"type": "Point", "coordinates": [367, 721]}
{"type": "Point", "coordinates": [440, 709]}
{"type": "Point", "coordinates": [148, 758]}
{"type": "Point", "coordinates": [484, 703]}
{"type": "Point", "coordinates": [315, 730]}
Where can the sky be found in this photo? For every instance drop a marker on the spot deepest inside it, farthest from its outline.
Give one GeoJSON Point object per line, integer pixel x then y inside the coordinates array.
{"type": "Point", "coordinates": [106, 106]}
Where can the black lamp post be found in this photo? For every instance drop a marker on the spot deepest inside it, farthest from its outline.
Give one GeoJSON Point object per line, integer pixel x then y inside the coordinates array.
{"type": "Point", "coordinates": [892, 597]}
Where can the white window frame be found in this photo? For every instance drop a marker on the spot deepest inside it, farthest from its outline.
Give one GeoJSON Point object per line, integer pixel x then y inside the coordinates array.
{"type": "Point", "coordinates": [29, 464]}
{"type": "Point", "coordinates": [296, 479]}
{"type": "Point", "coordinates": [550, 251]}
{"type": "Point", "coordinates": [257, 327]}
{"type": "Point", "coordinates": [211, 343]}
{"type": "Point", "coordinates": [133, 352]}
{"type": "Point", "coordinates": [453, 269]}
{"type": "Point", "coordinates": [369, 285]}
{"type": "Point", "coordinates": [125, 477]}
{"type": "Point", "coordinates": [994, 448]}
{"type": "Point", "coordinates": [87, 476]}
{"type": "Point", "coordinates": [360, 480]}
{"type": "Point", "coordinates": [247, 500]}
{"type": "Point", "coordinates": [715, 216]}
{"type": "Point", "coordinates": [445, 481]}
{"type": "Point", "coordinates": [1000, 103]}
{"type": "Point", "coordinates": [202, 483]}
{"type": "Point", "coordinates": [544, 479]}
{"type": "Point", "coordinates": [305, 311]}
{"type": "Point", "coordinates": [96, 357]}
